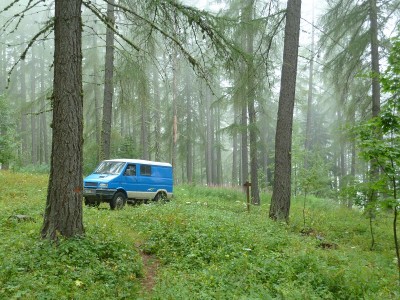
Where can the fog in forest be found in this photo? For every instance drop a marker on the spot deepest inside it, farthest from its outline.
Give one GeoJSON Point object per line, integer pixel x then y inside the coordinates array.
{"type": "Point", "coordinates": [199, 87]}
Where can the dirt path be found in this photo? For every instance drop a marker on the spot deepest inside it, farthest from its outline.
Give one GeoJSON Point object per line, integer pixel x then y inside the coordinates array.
{"type": "Point", "coordinates": [150, 265]}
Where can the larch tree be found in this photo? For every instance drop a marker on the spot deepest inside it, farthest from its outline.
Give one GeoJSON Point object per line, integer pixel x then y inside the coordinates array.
{"type": "Point", "coordinates": [350, 44]}
{"type": "Point", "coordinates": [376, 87]}
{"type": "Point", "coordinates": [280, 202]}
{"type": "Point", "coordinates": [23, 114]}
{"type": "Point", "coordinates": [308, 138]}
{"type": "Point", "coordinates": [251, 102]}
{"type": "Point", "coordinates": [63, 212]}
{"type": "Point", "coordinates": [44, 136]}
{"type": "Point", "coordinates": [108, 83]}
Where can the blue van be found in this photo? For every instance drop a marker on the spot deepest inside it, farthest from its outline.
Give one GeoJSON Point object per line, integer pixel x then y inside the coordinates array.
{"type": "Point", "coordinates": [118, 181]}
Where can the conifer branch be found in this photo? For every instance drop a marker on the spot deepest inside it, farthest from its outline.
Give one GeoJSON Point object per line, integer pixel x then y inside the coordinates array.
{"type": "Point", "coordinates": [49, 25]}
{"type": "Point", "coordinates": [109, 25]}
{"type": "Point", "coordinates": [195, 64]}
{"type": "Point", "coordinates": [19, 16]}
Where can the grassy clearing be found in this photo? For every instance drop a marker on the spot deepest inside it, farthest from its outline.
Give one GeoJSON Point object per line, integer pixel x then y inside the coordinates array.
{"type": "Point", "coordinates": [206, 245]}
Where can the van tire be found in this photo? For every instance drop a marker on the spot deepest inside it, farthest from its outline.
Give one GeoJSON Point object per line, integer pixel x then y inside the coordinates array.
{"type": "Point", "coordinates": [160, 197]}
{"type": "Point", "coordinates": [118, 201]}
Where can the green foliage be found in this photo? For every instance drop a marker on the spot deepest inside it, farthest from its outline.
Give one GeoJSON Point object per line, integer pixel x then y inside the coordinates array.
{"type": "Point", "coordinates": [100, 265]}
{"type": "Point", "coordinates": [380, 143]}
{"type": "Point", "coordinates": [6, 132]}
{"type": "Point", "coordinates": [39, 169]}
{"type": "Point", "coordinates": [124, 147]}
{"type": "Point", "coordinates": [90, 157]}
{"type": "Point", "coordinates": [207, 245]}
{"type": "Point", "coordinates": [311, 174]}
{"type": "Point", "coordinates": [391, 79]}
{"type": "Point", "coordinates": [315, 179]}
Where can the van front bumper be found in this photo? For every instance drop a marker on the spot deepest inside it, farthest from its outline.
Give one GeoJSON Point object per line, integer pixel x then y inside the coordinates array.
{"type": "Point", "coordinates": [100, 194]}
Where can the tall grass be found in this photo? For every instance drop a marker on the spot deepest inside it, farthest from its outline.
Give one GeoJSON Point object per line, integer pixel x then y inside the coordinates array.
{"type": "Point", "coordinates": [208, 247]}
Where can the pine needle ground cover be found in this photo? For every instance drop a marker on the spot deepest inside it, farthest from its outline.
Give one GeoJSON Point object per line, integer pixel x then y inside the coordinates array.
{"type": "Point", "coordinates": [202, 245]}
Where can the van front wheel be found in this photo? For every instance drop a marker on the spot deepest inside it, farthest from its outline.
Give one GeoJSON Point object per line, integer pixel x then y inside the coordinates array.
{"type": "Point", "coordinates": [118, 201]}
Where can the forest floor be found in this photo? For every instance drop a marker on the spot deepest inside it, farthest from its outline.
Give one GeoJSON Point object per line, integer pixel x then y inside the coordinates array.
{"type": "Point", "coordinates": [201, 245]}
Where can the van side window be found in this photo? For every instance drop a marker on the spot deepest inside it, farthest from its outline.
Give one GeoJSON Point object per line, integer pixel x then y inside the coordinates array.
{"type": "Point", "coordinates": [145, 170]}
{"type": "Point", "coordinates": [130, 170]}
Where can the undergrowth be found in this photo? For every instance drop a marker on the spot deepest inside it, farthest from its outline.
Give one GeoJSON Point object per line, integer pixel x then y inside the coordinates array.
{"type": "Point", "coordinates": [207, 244]}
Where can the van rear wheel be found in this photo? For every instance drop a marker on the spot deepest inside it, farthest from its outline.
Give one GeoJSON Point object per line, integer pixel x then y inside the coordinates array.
{"type": "Point", "coordinates": [118, 201]}
{"type": "Point", "coordinates": [160, 197]}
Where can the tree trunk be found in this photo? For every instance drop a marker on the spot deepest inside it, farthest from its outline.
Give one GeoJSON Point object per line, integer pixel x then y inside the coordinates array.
{"type": "Point", "coordinates": [34, 143]}
{"type": "Point", "coordinates": [108, 84]}
{"type": "Point", "coordinates": [97, 97]}
{"type": "Point", "coordinates": [280, 202]}
{"type": "Point", "coordinates": [251, 95]}
{"type": "Point", "coordinates": [235, 148]}
{"type": "Point", "coordinates": [144, 132]}
{"type": "Point", "coordinates": [213, 146]}
{"type": "Point", "coordinates": [353, 162]}
{"type": "Point", "coordinates": [44, 143]}
{"type": "Point", "coordinates": [255, 194]}
{"type": "Point", "coordinates": [244, 149]}
{"type": "Point", "coordinates": [208, 148]}
{"type": "Point", "coordinates": [376, 92]}
{"type": "Point", "coordinates": [244, 157]}
{"type": "Point", "coordinates": [208, 138]}
{"type": "Point", "coordinates": [189, 133]}
{"type": "Point", "coordinates": [3, 74]}
{"type": "Point", "coordinates": [376, 89]}
{"type": "Point", "coordinates": [265, 141]}
{"type": "Point", "coordinates": [157, 116]}
{"type": "Point", "coordinates": [63, 213]}
{"type": "Point", "coordinates": [175, 110]}
{"type": "Point", "coordinates": [307, 142]}
{"type": "Point", "coordinates": [218, 147]}
{"type": "Point", "coordinates": [24, 125]}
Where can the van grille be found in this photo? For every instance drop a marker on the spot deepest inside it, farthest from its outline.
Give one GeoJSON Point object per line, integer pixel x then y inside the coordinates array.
{"type": "Point", "coordinates": [91, 184]}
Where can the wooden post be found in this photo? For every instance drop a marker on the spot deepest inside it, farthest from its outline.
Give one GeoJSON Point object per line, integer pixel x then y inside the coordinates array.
{"type": "Point", "coordinates": [247, 185]}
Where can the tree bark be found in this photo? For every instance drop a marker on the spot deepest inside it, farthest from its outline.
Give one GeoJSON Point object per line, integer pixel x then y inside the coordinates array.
{"type": "Point", "coordinates": [97, 97]}
{"type": "Point", "coordinates": [280, 202]}
{"type": "Point", "coordinates": [24, 125]}
{"type": "Point", "coordinates": [157, 116]}
{"type": "Point", "coordinates": [144, 123]}
{"type": "Point", "coordinates": [34, 115]}
{"type": "Point", "coordinates": [108, 84]}
{"type": "Point", "coordinates": [218, 147]}
{"type": "Point", "coordinates": [189, 133]}
{"type": "Point", "coordinates": [307, 142]}
{"type": "Point", "coordinates": [175, 111]}
{"type": "Point", "coordinates": [251, 96]}
{"type": "Point", "coordinates": [63, 213]}
{"type": "Point", "coordinates": [208, 138]}
{"type": "Point", "coordinates": [376, 92]}
{"type": "Point", "coordinates": [235, 148]}
{"type": "Point", "coordinates": [376, 88]}
{"type": "Point", "coordinates": [244, 149]}
{"type": "Point", "coordinates": [44, 143]}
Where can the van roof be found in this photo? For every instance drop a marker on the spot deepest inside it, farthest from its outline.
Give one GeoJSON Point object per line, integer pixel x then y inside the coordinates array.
{"type": "Point", "coordinates": [141, 161]}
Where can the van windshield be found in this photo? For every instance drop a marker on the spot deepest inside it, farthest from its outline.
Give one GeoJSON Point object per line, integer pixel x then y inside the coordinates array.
{"type": "Point", "coordinates": [109, 167]}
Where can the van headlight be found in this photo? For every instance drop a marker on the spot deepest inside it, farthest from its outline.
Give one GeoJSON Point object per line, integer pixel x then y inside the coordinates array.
{"type": "Point", "coordinates": [103, 185]}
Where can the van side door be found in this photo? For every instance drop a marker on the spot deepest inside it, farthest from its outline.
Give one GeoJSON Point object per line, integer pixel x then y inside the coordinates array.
{"type": "Point", "coordinates": [130, 180]}
{"type": "Point", "coordinates": [145, 179]}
